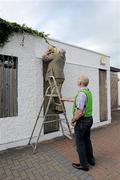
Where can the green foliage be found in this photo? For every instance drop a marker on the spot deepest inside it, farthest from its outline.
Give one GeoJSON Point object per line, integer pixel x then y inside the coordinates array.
{"type": "Point", "coordinates": [8, 28]}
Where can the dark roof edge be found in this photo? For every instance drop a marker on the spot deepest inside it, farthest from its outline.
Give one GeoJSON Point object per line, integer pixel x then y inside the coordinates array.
{"type": "Point", "coordinates": [78, 47]}
{"type": "Point", "coordinates": [114, 69]}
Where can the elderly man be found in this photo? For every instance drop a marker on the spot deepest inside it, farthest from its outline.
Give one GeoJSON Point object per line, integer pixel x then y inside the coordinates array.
{"type": "Point", "coordinates": [56, 59]}
{"type": "Point", "coordinates": [82, 121]}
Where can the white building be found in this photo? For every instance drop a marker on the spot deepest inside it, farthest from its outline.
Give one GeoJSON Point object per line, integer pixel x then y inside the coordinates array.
{"type": "Point", "coordinates": [16, 127]}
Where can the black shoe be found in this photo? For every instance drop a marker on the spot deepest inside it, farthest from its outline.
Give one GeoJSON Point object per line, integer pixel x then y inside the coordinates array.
{"type": "Point", "coordinates": [92, 162]}
{"type": "Point", "coordinates": [77, 166]}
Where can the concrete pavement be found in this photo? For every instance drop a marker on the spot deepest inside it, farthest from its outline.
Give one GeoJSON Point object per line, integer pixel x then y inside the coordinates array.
{"type": "Point", "coordinates": [54, 158]}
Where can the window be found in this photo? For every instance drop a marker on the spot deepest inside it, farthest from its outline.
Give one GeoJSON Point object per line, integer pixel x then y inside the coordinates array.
{"type": "Point", "coordinates": [8, 86]}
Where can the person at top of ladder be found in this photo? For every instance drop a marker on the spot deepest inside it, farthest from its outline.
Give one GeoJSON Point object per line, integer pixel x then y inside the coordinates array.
{"type": "Point", "coordinates": [56, 58]}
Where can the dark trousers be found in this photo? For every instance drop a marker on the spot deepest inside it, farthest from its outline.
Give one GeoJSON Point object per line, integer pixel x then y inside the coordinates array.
{"type": "Point", "coordinates": [83, 142]}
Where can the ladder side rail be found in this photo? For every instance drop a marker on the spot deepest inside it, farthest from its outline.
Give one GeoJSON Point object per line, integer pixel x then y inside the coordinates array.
{"type": "Point", "coordinates": [62, 128]}
{"type": "Point", "coordinates": [64, 110]}
{"type": "Point", "coordinates": [58, 93]}
{"type": "Point", "coordinates": [45, 116]}
{"type": "Point", "coordinates": [68, 124]}
{"type": "Point", "coordinates": [38, 116]}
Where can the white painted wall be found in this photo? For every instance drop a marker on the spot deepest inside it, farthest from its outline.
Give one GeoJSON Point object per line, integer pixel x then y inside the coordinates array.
{"type": "Point", "coordinates": [15, 131]}
{"type": "Point", "coordinates": [70, 88]}
{"type": "Point", "coordinates": [29, 93]}
{"type": "Point", "coordinates": [75, 55]}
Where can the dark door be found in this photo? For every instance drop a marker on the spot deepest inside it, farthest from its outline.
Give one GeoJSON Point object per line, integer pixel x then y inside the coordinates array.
{"type": "Point", "coordinates": [103, 94]}
{"type": "Point", "coordinates": [8, 86]}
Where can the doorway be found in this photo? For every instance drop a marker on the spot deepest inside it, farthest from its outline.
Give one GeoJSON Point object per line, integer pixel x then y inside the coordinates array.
{"type": "Point", "coordinates": [103, 94]}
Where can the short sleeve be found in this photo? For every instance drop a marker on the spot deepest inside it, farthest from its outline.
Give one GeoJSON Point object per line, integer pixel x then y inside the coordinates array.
{"type": "Point", "coordinates": [81, 100]}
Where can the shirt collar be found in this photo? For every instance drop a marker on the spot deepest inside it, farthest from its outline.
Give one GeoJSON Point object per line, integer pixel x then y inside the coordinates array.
{"type": "Point", "coordinates": [83, 88]}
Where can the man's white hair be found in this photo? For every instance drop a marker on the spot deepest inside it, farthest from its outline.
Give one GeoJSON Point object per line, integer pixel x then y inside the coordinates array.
{"type": "Point", "coordinates": [84, 80]}
{"type": "Point", "coordinates": [56, 50]}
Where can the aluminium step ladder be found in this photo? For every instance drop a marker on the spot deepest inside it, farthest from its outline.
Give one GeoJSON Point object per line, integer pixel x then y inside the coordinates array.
{"type": "Point", "coordinates": [50, 94]}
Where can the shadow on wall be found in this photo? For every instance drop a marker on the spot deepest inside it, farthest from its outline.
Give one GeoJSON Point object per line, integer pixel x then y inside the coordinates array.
{"type": "Point", "coordinates": [115, 115]}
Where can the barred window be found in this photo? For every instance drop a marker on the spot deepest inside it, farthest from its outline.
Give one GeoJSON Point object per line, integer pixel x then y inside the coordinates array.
{"type": "Point", "coordinates": [8, 86]}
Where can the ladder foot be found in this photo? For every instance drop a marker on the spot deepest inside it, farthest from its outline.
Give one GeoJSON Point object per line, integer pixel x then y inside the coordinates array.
{"type": "Point", "coordinates": [34, 151]}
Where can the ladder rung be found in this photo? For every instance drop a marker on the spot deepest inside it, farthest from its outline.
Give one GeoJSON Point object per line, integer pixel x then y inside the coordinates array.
{"type": "Point", "coordinates": [46, 122]}
{"type": "Point", "coordinates": [58, 104]}
{"type": "Point", "coordinates": [51, 114]}
{"type": "Point", "coordinates": [52, 95]}
{"type": "Point", "coordinates": [55, 114]}
{"type": "Point", "coordinates": [47, 115]}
